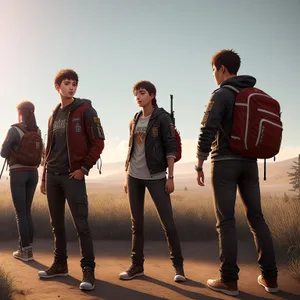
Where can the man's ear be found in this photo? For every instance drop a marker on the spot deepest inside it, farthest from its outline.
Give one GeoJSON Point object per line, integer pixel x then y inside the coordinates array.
{"type": "Point", "coordinates": [57, 86]}
{"type": "Point", "coordinates": [223, 69]}
{"type": "Point", "coordinates": [152, 96]}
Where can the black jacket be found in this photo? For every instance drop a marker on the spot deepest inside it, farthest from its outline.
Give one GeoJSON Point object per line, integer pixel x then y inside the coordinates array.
{"type": "Point", "coordinates": [219, 112]}
{"type": "Point", "coordinates": [160, 141]}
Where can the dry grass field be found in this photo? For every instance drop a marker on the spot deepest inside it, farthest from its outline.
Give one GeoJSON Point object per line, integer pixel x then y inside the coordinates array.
{"type": "Point", "coordinates": [6, 288]}
{"type": "Point", "coordinates": [193, 213]}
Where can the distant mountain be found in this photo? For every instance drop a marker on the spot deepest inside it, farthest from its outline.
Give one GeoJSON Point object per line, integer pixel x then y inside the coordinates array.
{"type": "Point", "coordinates": [113, 175]}
{"type": "Point", "coordinates": [185, 175]}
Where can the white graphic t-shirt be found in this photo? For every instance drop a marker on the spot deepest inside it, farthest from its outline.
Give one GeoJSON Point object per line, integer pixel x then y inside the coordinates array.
{"type": "Point", "coordinates": [138, 166]}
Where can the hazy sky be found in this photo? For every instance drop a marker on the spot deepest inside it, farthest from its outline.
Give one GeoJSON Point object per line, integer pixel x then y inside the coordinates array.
{"type": "Point", "coordinates": [113, 44]}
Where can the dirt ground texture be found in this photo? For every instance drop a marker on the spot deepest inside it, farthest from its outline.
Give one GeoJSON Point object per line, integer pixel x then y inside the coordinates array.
{"type": "Point", "coordinates": [113, 257]}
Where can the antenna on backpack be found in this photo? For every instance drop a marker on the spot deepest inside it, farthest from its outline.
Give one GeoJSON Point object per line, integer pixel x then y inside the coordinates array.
{"type": "Point", "coordinates": [172, 111]}
{"type": "Point", "coordinates": [5, 161]}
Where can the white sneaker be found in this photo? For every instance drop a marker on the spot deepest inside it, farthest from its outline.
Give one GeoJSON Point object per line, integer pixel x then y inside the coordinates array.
{"type": "Point", "coordinates": [133, 271]}
{"type": "Point", "coordinates": [179, 274]}
{"type": "Point", "coordinates": [88, 280]}
{"type": "Point", "coordinates": [24, 254]}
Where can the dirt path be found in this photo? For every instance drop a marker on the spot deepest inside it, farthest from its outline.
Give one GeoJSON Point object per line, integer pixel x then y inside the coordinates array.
{"type": "Point", "coordinates": [112, 257]}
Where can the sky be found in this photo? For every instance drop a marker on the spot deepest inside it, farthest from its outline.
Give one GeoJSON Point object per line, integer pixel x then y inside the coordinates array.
{"type": "Point", "coordinates": [113, 44]}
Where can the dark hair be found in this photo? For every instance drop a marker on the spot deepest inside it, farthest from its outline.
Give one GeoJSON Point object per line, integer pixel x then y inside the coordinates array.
{"type": "Point", "coordinates": [148, 86]}
{"type": "Point", "coordinates": [65, 74]}
{"type": "Point", "coordinates": [26, 110]}
{"type": "Point", "coordinates": [229, 59]}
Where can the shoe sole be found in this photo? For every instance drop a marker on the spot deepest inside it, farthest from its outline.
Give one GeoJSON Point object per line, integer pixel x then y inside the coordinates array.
{"type": "Point", "coordinates": [87, 289]}
{"type": "Point", "coordinates": [23, 259]}
{"type": "Point", "coordinates": [230, 293]}
{"type": "Point", "coordinates": [135, 275]}
{"type": "Point", "coordinates": [268, 289]}
{"type": "Point", "coordinates": [55, 275]}
{"type": "Point", "coordinates": [181, 279]}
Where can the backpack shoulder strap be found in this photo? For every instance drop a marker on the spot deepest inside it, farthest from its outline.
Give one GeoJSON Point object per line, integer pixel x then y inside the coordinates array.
{"type": "Point", "coordinates": [136, 116]}
{"type": "Point", "coordinates": [20, 128]}
{"type": "Point", "coordinates": [231, 88]}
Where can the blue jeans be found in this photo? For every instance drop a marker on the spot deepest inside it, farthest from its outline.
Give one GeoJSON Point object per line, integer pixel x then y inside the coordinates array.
{"type": "Point", "coordinates": [22, 186]}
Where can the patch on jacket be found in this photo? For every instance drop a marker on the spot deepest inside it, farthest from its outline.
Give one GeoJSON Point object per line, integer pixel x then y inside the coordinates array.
{"type": "Point", "coordinates": [76, 120]}
{"type": "Point", "coordinates": [78, 127]}
{"type": "Point", "coordinates": [99, 130]}
{"type": "Point", "coordinates": [209, 107]}
{"type": "Point", "coordinates": [155, 131]}
{"type": "Point", "coordinates": [97, 120]}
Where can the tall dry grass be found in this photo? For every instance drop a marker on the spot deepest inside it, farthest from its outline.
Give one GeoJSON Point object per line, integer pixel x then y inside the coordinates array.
{"type": "Point", "coordinates": [6, 288]}
{"type": "Point", "coordinates": [193, 212]}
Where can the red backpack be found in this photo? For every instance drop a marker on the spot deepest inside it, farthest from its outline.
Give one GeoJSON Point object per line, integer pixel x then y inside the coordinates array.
{"type": "Point", "coordinates": [30, 149]}
{"type": "Point", "coordinates": [257, 127]}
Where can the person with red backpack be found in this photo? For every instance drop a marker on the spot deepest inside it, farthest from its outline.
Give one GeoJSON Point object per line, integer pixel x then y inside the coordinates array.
{"type": "Point", "coordinates": [152, 150]}
{"type": "Point", "coordinates": [241, 124]}
{"type": "Point", "coordinates": [23, 149]}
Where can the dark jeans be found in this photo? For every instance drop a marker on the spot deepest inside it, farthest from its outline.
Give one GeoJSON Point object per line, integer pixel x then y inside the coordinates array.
{"type": "Point", "coordinates": [227, 175]}
{"type": "Point", "coordinates": [162, 201]}
{"type": "Point", "coordinates": [22, 186]}
{"type": "Point", "coordinates": [59, 188]}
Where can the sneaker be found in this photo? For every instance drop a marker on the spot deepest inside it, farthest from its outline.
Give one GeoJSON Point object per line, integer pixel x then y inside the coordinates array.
{"type": "Point", "coordinates": [56, 270]}
{"type": "Point", "coordinates": [229, 288]}
{"type": "Point", "coordinates": [133, 271]}
{"type": "Point", "coordinates": [179, 274]}
{"type": "Point", "coordinates": [270, 285]}
{"type": "Point", "coordinates": [24, 254]}
{"type": "Point", "coordinates": [88, 279]}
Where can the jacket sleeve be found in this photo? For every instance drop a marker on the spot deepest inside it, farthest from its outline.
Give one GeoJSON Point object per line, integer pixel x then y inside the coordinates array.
{"type": "Point", "coordinates": [168, 135]}
{"type": "Point", "coordinates": [95, 136]}
{"type": "Point", "coordinates": [12, 139]}
{"type": "Point", "coordinates": [210, 125]}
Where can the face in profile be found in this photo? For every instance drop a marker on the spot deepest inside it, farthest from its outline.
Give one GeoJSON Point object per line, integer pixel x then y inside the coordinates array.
{"type": "Point", "coordinates": [219, 74]}
{"type": "Point", "coordinates": [143, 98]}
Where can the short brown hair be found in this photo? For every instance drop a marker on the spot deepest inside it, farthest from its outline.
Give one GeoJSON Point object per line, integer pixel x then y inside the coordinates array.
{"type": "Point", "coordinates": [229, 59]}
{"type": "Point", "coordinates": [65, 74]}
{"type": "Point", "coordinates": [148, 86]}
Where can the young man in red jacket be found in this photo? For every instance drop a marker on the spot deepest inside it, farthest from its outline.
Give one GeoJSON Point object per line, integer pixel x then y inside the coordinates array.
{"type": "Point", "coordinates": [75, 142]}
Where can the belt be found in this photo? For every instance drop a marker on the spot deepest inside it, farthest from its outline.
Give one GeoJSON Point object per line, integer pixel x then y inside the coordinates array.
{"type": "Point", "coordinates": [57, 173]}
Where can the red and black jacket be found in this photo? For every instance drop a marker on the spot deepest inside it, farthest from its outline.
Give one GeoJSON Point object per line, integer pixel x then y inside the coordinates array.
{"type": "Point", "coordinates": [84, 147]}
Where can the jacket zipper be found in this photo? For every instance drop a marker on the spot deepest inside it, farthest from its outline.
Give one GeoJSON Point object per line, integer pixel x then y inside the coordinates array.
{"type": "Point", "coordinates": [67, 136]}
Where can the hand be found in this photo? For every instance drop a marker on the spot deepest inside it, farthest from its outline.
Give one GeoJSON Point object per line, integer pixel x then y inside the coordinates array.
{"type": "Point", "coordinates": [78, 174]}
{"type": "Point", "coordinates": [200, 178]}
{"type": "Point", "coordinates": [43, 187]}
{"type": "Point", "coordinates": [169, 186]}
{"type": "Point", "coordinates": [125, 186]}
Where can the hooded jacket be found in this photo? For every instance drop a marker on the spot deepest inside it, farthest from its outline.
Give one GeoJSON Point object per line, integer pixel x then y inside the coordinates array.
{"type": "Point", "coordinates": [219, 113]}
{"type": "Point", "coordinates": [160, 141]}
{"type": "Point", "coordinates": [85, 145]}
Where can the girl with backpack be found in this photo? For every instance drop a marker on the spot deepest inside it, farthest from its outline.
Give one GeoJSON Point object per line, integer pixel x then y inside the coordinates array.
{"type": "Point", "coordinates": [22, 149]}
{"type": "Point", "coordinates": [152, 152]}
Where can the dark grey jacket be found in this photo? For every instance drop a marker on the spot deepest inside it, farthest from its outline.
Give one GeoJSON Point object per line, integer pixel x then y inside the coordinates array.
{"type": "Point", "coordinates": [219, 112]}
{"type": "Point", "coordinates": [160, 141]}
